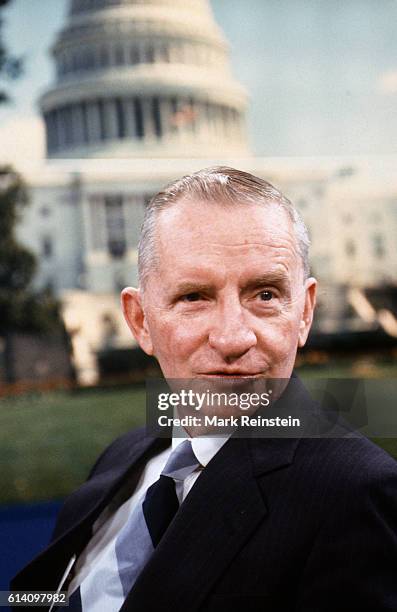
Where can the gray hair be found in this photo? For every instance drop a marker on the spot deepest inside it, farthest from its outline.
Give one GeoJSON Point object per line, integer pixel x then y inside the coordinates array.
{"type": "Point", "coordinates": [218, 184]}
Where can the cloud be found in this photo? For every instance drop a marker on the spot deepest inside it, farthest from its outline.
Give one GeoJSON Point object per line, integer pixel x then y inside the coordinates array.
{"type": "Point", "coordinates": [387, 82]}
{"type": "Point", "coordinates": [22, 140]}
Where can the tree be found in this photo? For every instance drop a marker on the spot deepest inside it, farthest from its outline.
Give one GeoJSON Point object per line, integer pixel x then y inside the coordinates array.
{"type": "Point", "coordinates": [21, 308]}
{"type": "Point", "coordinates": [10, 66]}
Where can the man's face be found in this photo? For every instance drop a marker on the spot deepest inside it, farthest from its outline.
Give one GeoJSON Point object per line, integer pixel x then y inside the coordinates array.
{"type": "Point", "coordinates": [228, 297]}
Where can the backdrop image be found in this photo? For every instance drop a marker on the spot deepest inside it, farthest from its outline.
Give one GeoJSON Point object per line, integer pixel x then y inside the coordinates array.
{"type": "Point", "coordinates": [102, 103]}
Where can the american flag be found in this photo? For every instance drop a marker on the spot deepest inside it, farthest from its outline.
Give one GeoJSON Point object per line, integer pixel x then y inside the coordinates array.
{"type": "Point", "coordinates": [183, 116]}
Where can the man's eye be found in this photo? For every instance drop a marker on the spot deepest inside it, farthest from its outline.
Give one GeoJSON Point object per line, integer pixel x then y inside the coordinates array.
{"type": "Point", "coordinates": [266, 296]}
{"type": "Point", "coordinates": [191, 297]}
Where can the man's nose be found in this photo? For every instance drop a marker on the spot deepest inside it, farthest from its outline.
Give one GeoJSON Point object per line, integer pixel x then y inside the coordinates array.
{"type": "Point", "coordinates": [231, 335]}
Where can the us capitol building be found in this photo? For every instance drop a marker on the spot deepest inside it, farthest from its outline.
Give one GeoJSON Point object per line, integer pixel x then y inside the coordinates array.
{"type": "Point", "coordinates": [143, 94]}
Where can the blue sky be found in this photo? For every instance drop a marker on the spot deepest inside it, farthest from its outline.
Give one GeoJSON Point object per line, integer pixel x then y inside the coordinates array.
{"type": "Point", "coordinates": [321, 74]}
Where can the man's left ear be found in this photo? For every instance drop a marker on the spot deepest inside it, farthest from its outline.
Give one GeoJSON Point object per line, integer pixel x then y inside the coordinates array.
{"type": "Point", "coordinates": [134, 314]}
{"type": "Point", "coordinates": [307, 315]}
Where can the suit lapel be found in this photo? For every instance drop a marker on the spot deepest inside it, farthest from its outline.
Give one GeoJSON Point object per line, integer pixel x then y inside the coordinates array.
{"type": "Point", "coordinates": [79, 513]}
{"type": "Point", "coordinates": [218, 516]}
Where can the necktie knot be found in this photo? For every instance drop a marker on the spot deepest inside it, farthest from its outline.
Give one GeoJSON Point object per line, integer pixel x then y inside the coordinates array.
{"type": "Point", "coordinates": [182, 462]}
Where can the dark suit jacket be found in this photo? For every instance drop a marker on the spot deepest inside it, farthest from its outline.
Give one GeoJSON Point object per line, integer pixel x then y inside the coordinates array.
{"type": "Point", "coordinates": [305, 525]}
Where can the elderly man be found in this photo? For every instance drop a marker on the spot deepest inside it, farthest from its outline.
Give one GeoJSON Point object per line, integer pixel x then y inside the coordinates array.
{"type": "Point", "coordinates": [226, 523]}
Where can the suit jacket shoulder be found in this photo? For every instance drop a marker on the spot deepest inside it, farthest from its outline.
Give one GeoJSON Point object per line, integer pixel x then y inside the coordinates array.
{"type": "Point", "coordinates": [125, 455]}
{"type": "Point", "coordinates": [117, 451]}
{"type": "Point", "coordinates": [354, 550]}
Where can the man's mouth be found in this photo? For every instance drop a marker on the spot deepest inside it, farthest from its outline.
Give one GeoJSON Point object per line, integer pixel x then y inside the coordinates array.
{"type": "Point", "coordinates": [231, 374]}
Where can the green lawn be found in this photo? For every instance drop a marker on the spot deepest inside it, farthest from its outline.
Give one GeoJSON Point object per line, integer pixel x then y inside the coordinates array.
{"type": "Point", "coordinates": [388, 444]}
{"type": "Point", "coordinates": [48, 442]}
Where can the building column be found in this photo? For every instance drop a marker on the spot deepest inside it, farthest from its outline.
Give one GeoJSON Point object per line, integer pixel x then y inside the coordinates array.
{"type": "Point", "coordinates": [238, 125]}
{"type": "Point", "coordinates": [230, 123]}
{"type": "Point", "coordinates": [78, 124]}
{"type": "Point", "coordinates": [133, 55]}
{"type": "Point", "coordinates": [210, 116]}
{"type": "Point", "coordinates": [134, 210]}
{"type": "Point", "coordinates": [165, 117]}
{"type": "Point", "coordinates": [128, 110]}
{"type": "Point", "coordinates": [217, 125]}
{"type": "Point", "coordinates": [172, 106]}
{"type": "Point", "coordinates": [96, 225]}
{"type": "Point", "coordinates": [86, 225]}
{"type": "Point", "coordinates": [174, 52]}
{"type": "Point", "coordinates": [61, 128]}
{"type": "Point", "coordinates": [202, 121]}
{"type": "Point", "coordinates": [110, 119]}
{"type": "Point", "coordinates": [49, 131]}
{"type": "Point", "coordinates": [94, 126]}
{"type": "Point", "coordinates": [141, 48]}
{"type": "Point", "coordinates": [224, 121]}
{"type": "Point", "coordinates": [218, 122]}
{"type": "Point", "coordinates": [69, 125]}
{"type": "Point", "coordinates": [57, 130]}
{"type": "Point", "coordinates": [148, 123]}
{"type": "Point", "coordinates": [102, 120]}
{"type": "Point", "coordinates": [193, 123]}
{"type": "Point", "coordinates": [54, 130]}
{"type": "Point", "coordinates": [49, 119]}
{"type": "Point", "coordinates": [181, 126]}
{"type": "Point", "coordinates": [158, 52]}
{"type": "Point", "coordinates": [112, 54]}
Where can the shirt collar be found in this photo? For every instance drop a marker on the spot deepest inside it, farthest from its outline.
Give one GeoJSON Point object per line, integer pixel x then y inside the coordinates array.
{"type": "Point", "coordinates": [204, 447]}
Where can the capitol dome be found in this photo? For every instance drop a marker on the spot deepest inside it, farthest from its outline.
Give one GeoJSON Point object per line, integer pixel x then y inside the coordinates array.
{"type": "Point", "coordinates": [143, 78]}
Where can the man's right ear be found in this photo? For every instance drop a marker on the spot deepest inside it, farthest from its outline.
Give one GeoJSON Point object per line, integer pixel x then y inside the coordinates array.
{"type": "Point", "coordinates": [134, 314]}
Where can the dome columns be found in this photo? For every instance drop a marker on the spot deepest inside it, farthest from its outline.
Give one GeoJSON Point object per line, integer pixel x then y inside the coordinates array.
{"type": "Point", "coordinates": [143, 78]}
{"type": "Point", "coordinates": [147, 119]}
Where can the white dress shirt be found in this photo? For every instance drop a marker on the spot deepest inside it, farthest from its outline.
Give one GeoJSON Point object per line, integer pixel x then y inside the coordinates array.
{"type": "Point", "coordinates": [111, 521]}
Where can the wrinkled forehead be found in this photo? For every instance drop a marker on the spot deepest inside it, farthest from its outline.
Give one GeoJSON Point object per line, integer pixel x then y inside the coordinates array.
{"type": "Point", "coordinates": [193, 237]}
{"type": "Point", "coordinates": [190, 220]}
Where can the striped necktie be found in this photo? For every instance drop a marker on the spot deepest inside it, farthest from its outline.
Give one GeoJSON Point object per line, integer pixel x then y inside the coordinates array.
{"type": "Point", "coordinates": [108, 584]}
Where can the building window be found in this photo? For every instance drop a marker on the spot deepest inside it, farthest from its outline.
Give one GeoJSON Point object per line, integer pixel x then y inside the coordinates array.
{"type": "Point", "coordinates": [164, 53]}
{"type": "Point", "coordinates": [378, 246]}
{"type": "Point", "coordinates": [174, 114]}
{"type": "Point", "coordinates": [134, 55]}
{"type": "Point", "coordinates": [45, 211]}
{"type": "Point", "coordinates": [119, 56]}
{"type": "Point", "coordinates": [345, 172]}
{"type": "Point", "coordinates": [104, 57]}
{"type": "Point", "coordinates": [46, 247]}
{"type": "Point", "coordinates": [121, 129]}
{"type": "Point", "coordinates": [138, 117]}
{"type": "Point", "coordinates": [150, 54]}
{"type": "Point", "coordinates": [115, 226]}
{"type": "Point", "coordinates": [350, 248]}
